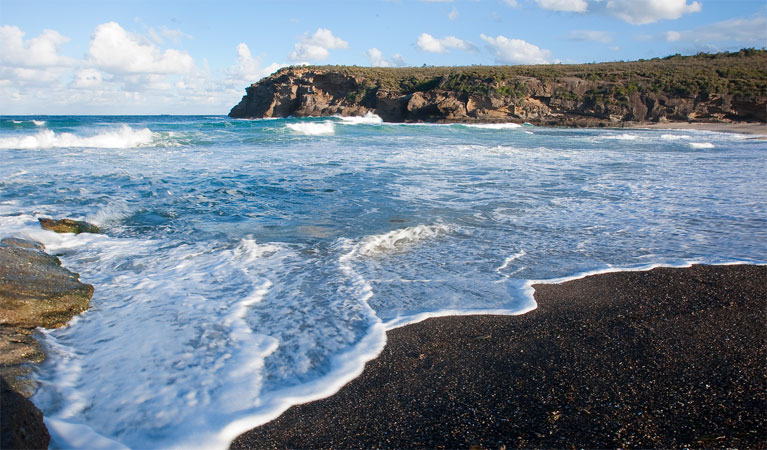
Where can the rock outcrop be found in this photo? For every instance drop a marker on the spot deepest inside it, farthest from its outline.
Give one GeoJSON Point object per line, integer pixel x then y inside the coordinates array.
{"type": "Point", "coordinates": [708, 88]}
{"type": "Point", "coordinates": [35, 291]}
{"type": "Point", "coordinates": [67, 226]}
{"type": "Point", "coordinates": [20, 421]}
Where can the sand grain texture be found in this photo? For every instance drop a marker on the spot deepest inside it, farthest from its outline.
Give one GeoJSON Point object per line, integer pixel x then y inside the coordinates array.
{"type": "Point", "coordinates": [663, 358]}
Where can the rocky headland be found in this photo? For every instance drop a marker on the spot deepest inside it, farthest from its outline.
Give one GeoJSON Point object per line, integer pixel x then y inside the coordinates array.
{"type": "Point", "coordinates": [720, 88]}
{"type": "Point", "coordinates": [35, 291]}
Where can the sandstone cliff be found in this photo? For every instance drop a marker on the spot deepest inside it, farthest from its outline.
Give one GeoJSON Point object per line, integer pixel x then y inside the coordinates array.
{"type": "Point", "coordinates": [713, 88]}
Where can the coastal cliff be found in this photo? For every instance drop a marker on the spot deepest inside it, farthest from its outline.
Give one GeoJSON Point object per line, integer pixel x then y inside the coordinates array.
{"type": "Point", "coordinates": [724, 87]}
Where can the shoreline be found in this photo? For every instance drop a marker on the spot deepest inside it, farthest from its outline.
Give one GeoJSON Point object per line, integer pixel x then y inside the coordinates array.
{"type": "Point", "coordinates": [609, 360]}
{"type": "Point", "coordinates": [749, 128]}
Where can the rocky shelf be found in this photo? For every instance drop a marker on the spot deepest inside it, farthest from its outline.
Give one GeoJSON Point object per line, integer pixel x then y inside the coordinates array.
{"type": "Point", "coordinates": [723, 87]}
{"type": "Point", "coordinates": [35, 291]}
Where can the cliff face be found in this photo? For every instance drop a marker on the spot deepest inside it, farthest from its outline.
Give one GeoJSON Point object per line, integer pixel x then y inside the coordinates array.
{"type": "Point", "coordinates": [714, 88]}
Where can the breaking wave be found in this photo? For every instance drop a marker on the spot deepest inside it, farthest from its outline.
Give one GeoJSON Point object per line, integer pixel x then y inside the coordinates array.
{"type": "Point", "coordinates": [494, 126]}
{"type": "Point", "coordinates": [312, 128]}
{"type": "Point", "coordinates": [123, 137]}
{"type": "Point", "coordinates": [397, 240]}
{"type": "Point", "coordinates": [368, 119]}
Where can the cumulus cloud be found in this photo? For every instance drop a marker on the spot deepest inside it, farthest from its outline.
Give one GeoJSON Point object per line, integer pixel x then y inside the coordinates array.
{"type": "Point", "coordinates": [590, 36]}
{"type": "Point", "coordinates": [248, 69]}
{"type": "Point", "coordinates": [317, 46]}
{"type": "Point", "coordinates": [641, 12]}
{"type": "Point", "coordinates": [116, 51]}
{"type": "Point", "coordinates": [453, 14]}
{"type": "Point", "coordinates": [516, 51]}
{"type": "Point", "coordinates": [41, 51]}
{"type": "Point", "coordinates": [429, 43]}
{"type": "Point", "coordinates": [377, 59]}
{"type": "Point", "coordinates": [564, 5]}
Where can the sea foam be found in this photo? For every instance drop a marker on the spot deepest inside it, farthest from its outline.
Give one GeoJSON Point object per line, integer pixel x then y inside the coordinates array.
{"type": "Point", "coordinates": [494, 126]}
{"type": "Point", "coordinates": [313, 128]}
{"type": "Point", "coordinates": [369, 118]}
{"type": "Point", "coordinates": [124, 137]}
{"type": "Point", "coordinates": [397, 240]}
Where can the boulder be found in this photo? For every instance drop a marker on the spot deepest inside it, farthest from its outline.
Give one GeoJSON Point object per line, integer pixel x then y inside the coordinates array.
{"type": "Point", "coordinates": [68, 226]}
{"type": "Point", "coordinates": [21, 423]}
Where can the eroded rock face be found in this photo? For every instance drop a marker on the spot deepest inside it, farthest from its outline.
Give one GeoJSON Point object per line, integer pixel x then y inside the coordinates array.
{"type": "Point", "coordinates": [68, 226]}
{"type": "Point", "coordinates": [570, 101]}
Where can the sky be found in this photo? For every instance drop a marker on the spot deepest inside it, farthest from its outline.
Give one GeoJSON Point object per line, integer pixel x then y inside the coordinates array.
{"type": "Point", "coordinates": [197, 56]}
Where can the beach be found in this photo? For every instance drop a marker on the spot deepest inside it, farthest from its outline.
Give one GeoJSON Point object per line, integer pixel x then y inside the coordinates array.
{"type": "Point", "coordinates": [671, 357]}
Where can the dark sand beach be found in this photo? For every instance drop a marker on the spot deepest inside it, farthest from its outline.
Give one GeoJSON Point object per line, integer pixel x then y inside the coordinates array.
{"type": "Point", "coordinates": [662, 358]}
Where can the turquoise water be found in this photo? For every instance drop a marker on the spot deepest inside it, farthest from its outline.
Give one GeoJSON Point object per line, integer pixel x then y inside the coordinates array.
{"type": "Point", "coordinates": [245, 266]}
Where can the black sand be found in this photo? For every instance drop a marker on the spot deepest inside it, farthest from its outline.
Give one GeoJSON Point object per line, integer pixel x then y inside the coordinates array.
{"type": "Point", "coordinates": [665, 358]}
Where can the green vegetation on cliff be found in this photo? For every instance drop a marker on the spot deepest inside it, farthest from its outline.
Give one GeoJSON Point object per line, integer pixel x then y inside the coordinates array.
{"type": "Point", "coordinates": [742, 74]}
{"type": "Point", "coordinates": [703, 87]}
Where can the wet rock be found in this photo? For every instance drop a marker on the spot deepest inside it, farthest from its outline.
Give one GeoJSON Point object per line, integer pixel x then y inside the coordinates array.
{"type": "Point", "coordinates": [21, 423]}
{"type": "Point", "coordinates": [35, 291]}
{"type": "Point", "coordinates": [68, 226]}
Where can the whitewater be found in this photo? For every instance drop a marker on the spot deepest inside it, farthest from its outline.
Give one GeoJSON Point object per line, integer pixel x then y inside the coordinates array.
{"type": "Point", "coordinates": [245, 266]}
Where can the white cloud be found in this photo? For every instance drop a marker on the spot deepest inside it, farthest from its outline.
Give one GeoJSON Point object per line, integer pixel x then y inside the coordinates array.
{"type": "Point", "coordinates": [744, 31]}
{"type": "Point", "coordinates": [672, 36]}
{"type": "Point", "coordinates": [377, 59]}
{"type": "Point", "coordinates": [116, 51]}
{"type": "Point", "coordinates": [317, 46]}
{"type": "Point", "coordinates": [590, 36]}
{"type": "Point", "coordinates": [516, 51]}
{"type": "Point", "coordinates": [641, 12]}
{"type": "Point", "coordinates": [512, 3]}
{"type": "Point", "coordinates": [248, 69]}
{"type": "Point", "coordinates": [564, 5]}
{"type": "Point", "coordinates": [87, 78]}
{"type": "Point", "coordinates": [41, 51]}
{"type": "Point", "coordinates": [429, 43]}
{"type": "Point", "coordinates": [453, 14]}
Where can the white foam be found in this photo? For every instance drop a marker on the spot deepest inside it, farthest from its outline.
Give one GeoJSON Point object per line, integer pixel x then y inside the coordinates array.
{"type": "Point", "coordinates": [701, 145]}
{"type": "Point", "coordinates": [493, 126]}
{"type": "Point", "coordinates": [39, 123]}
{"type": "Point", "coordinates": [621, 137]}
{"type": "Point", "coordinates": [369, 118]}
{"type": "Point", "coordinates": [511, 258]}
{"type": "Point", "coordinates": [313, 128]}
{"type": "Point", "coordinates": [397, 240]}
{"type": "Point", "coordinates": [675, 137]}
{"type": "Point", "coordinates": [124, 137]}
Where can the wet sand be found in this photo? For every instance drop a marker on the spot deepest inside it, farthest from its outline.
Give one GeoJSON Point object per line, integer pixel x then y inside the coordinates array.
{"type": "Point", "coordinates": [663, 358]}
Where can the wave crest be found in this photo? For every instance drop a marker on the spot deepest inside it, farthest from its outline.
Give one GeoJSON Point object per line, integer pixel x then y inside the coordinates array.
{"type": "Point", "coordinates": [124, 137]}
{"type": "Point", "coordinates": [396, 240]}
{"type": "Point", "coordinates": [368, 119]}
{"type": "Point", "coordinates": [313, 128]}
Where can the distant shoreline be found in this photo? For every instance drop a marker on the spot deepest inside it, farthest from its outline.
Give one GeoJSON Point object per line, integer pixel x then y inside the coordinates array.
{"type": "Point", "coordinates": [751, 128]}
{"type": "Point", "coordinates": [671, 357]}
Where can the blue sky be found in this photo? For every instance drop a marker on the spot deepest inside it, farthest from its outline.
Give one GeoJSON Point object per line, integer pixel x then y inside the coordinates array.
{"type": "Point", "coordinates": [196, 57]}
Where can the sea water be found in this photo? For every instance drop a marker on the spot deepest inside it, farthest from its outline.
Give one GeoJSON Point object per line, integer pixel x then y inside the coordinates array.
{"type": "Point", "coordinates": [248, 265]}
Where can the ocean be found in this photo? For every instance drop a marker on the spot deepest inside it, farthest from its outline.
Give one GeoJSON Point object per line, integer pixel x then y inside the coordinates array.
{"type": "Point", "coordinates": [245, 266]}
